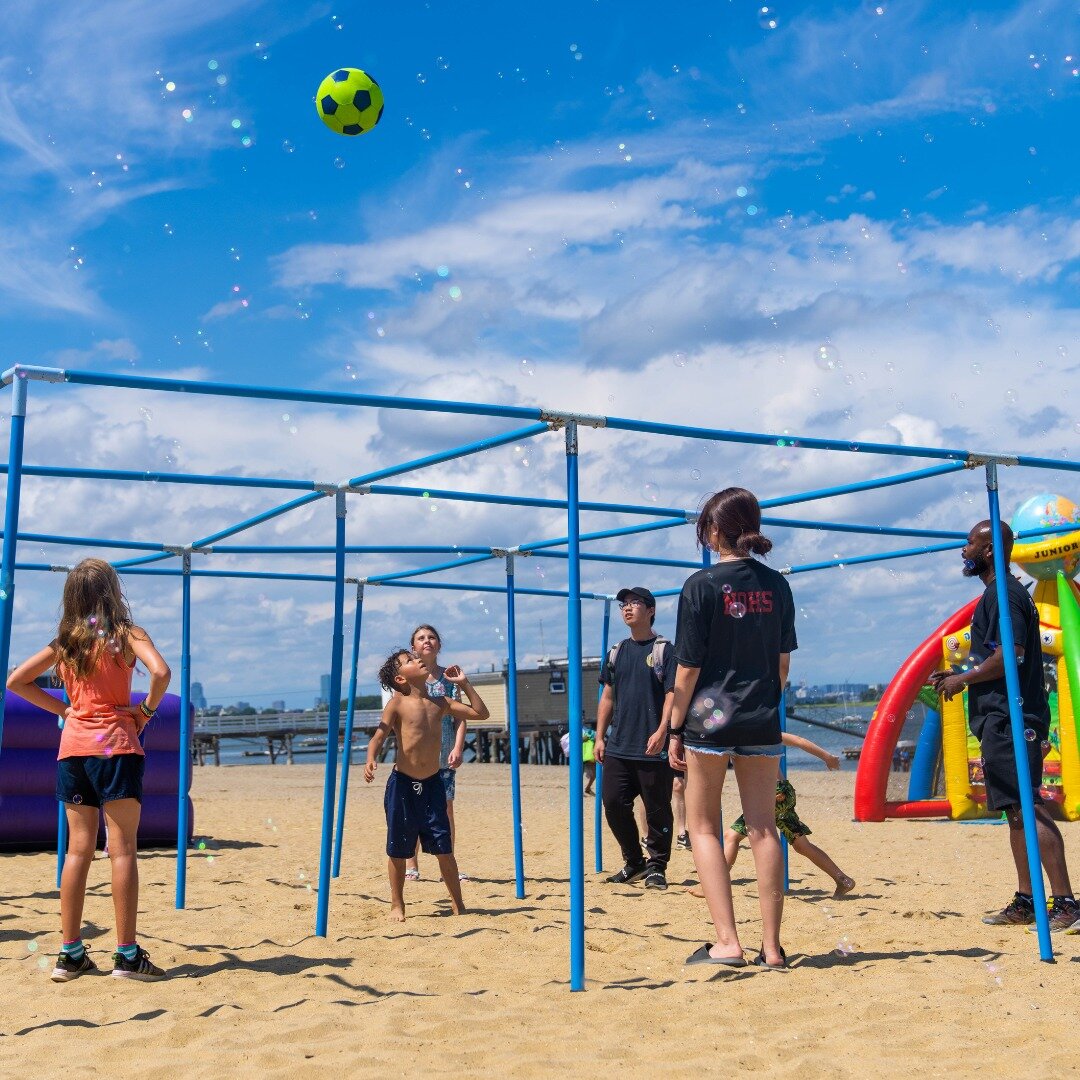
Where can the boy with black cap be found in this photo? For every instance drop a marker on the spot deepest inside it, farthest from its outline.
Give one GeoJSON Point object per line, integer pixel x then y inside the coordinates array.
{"type": "Point", "coordinates": [638, 676]}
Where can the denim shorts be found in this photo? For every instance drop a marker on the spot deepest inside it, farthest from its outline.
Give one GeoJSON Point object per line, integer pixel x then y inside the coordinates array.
{"type": "Point", "coordinates": [449, 779]}
{"type": "Point", "coordinates": [93, 781]}
{"type": "Point", "coordinates": [768, 750]}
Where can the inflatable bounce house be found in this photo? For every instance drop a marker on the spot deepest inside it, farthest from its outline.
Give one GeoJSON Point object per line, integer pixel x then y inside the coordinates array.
{"type": "Point", "coordinates": [28, 813]}
{"type": "Point", "coordinates": [946, 779]}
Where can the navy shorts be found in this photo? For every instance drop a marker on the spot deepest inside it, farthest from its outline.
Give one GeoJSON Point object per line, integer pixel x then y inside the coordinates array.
{"type": "Point", "coordinates": [416, 810]}
{"type": "Point", "coordinates": [94, 781]}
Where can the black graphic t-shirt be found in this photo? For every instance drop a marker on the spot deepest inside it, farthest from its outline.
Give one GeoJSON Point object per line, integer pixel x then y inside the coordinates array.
{"type": "Point", "coordinates": [735, 619]}
{"type": "Point", "coordinates": [639, 698]}
{"type": "Point", "coordinates": [987, 699]}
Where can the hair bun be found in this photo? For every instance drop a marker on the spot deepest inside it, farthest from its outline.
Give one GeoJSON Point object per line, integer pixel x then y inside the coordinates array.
{"type": "Point", "coordinates": [754, 542]}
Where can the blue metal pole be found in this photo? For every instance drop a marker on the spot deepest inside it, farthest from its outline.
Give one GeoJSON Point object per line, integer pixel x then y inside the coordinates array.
{"type": "Point", "coordinates": [783, 773]}
{"type": "Point", "coordinates": [11, 531]}
{"type": "Point", "coordinates": [863, 485]}
{"type": "Point", "coordinates": [512, 725]}
{"type": "Point", "coordinates": [574, 708]}
{"type": "Point", "coordinates": [350, 712]}
{"type": "Point", "coordinates": [1016, 718]}
{"type": "Point", "coordinates": [333, 722]}
{"type": "Point", "coordinates": [598, 817]}
{"type": "Point", "coordinates": [183, 826]}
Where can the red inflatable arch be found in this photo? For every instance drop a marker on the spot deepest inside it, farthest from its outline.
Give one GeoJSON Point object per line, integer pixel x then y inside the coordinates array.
{"type": "Point", "coordinates": [872, 778]}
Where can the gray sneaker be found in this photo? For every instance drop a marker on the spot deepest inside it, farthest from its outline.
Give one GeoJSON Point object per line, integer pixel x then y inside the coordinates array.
{"type": "Point", "coordinates": [67, 969]}
{"type": "Point", "coordinates": [139, 969]}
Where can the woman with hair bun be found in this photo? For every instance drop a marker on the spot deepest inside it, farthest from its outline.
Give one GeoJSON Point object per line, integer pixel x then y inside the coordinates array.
{"type": "Point", "coordinates": [734, 637]}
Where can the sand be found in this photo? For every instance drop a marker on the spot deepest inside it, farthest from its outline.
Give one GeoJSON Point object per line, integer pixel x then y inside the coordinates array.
{"type": "Point", "coordinates": [901, 976]}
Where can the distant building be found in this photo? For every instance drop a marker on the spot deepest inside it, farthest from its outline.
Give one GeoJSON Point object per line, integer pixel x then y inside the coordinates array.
{"type": "Point", "coordinates": [323, 700]}
{"type": "Point", "coordinates": [278, 706]}
{"type": "Point", "coordinates": [198, 698]}
{"type": "Point", "coordinates": [541, 692]}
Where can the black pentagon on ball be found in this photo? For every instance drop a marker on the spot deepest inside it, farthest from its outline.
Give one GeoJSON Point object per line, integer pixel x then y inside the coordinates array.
{"type": "Point", "coordinates": [352, 129]}
{"type": "Point", "coordinates": [341, 75]}
{"type": "Point", "coordinates": [329, 105]}
{"type": "Point", "coordinates": [362, 100]}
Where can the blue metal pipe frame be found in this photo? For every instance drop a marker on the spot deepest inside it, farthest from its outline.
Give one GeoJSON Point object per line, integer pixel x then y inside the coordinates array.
{"type": "Point", "coordinates": [182, 820]}
{"type": "Point", "coordinates": [346, 746]}
{"type": "Point", "coordinates": [333, 721]}
{"type": "Point", "coordinates": [1016, 719]}
{"type": "Point", "coordinates": [598, 809]}
{"type": "Point", "coordinates": [513, 727]}
{"type": "Point", "coordinates": [11, 531]}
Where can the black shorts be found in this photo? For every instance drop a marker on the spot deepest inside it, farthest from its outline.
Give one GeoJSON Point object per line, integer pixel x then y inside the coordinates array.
{"type": "Point", "coordinates": [416, 810]}
{"type": "Point", "coordinates": [94, 781]}
{"type": "Point", "coordinates": [999, 763]}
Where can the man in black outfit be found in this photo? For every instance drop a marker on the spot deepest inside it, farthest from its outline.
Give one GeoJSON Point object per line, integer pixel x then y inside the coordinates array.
{"type": "Point", "coordinates": [988, 717]}
{"type": "Point", "coordinates": [638, 677]}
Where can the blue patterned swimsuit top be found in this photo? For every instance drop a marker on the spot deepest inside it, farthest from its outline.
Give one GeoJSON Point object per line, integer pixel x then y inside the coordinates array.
{"type": "Point", "coordinates": [438, 688]}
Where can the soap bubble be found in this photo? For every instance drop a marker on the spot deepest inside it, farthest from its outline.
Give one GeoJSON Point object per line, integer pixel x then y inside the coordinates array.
{"type": "Point", "coordinates": [527, 368]}
{"type": "Point", "coordinates": [32, 946]}
{"type": "Point", "coordinates": [1030, 735]}
{"type": "Point", "coordinates": [695, 474]}
{"type": "Point", "coordinates": [339, 163]}
{"type": "Point", "coordinates": [736, 609]}
{"type": "Point", "coordinates": [767, 18]}
{"type": "Point", "coordinates": [725, 588]}
{"type": "Point", "coordinates": [826, 357]}
{"type": "Point", "coordinates": [651, 492]}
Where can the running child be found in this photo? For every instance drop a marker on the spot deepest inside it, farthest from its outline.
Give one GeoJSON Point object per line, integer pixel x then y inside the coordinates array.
{"type": "Point", "coordinates": [790, 824]}
{"type": "Point", "coordinates": [415, 799]}
{"type": "Point", "coordinates": [100, 764]}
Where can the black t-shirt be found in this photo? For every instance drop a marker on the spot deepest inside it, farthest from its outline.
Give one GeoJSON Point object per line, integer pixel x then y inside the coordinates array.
{"type": "Point", "coordinates": [639, 698]}
{"type": "Point", "coordinates": [987, 699]}
{"type": "Point", "coordinates": [735, 619]}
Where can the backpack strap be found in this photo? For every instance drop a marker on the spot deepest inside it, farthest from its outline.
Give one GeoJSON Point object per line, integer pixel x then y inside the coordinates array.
{"type": "Point", "coordinates": [659, 656]}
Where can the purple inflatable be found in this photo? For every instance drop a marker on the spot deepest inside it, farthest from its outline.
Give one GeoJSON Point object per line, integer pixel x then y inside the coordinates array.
{"type": "Point", "coordinates": [28, 776]}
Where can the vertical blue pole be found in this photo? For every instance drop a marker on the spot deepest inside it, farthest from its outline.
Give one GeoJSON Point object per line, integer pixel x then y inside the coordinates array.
{"type": "Point", "coordinates": [61, 826]}
{"type": "Point", "coordinates": [183, 826]}
{"type": "Point", "coordinates": [783, 773]}
{"type": "Point", "coordinates": [512, 727]}
{"type": "Point", "coordinates": [350, 711]}
{"type": "Point", "coordinates": [598, 822]}
{"type": "Point", "coordinates": [573, 705]}
{"type": "Point", "coordinates": [11, 530]}
{"type": "Point", "coordinates": [1012, 683]}
{"type": "Point", "coordinates": [333, 720]}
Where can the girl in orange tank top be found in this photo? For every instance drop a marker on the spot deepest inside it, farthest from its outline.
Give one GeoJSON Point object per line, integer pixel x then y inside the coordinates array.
{"type": "Point", "coordinates": [100, 764]}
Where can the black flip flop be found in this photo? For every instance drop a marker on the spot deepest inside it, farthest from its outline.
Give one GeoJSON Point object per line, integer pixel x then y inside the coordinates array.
{"type": "Point", "coordinates": [701, 956]}
{"type": "Point", "coordinates": [761, 962]}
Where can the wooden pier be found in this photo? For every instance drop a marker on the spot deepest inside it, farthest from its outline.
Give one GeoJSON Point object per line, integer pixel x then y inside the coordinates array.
{"type": "Point", "coordinates": [288, 734]}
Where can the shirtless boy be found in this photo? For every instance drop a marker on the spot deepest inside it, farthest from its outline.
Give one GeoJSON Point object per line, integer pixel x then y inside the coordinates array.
{"type": "Point", "coordinates": [415, 799]}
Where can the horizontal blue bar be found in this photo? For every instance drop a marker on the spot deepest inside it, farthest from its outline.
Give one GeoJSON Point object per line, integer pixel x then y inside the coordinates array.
{"type": "Point", "coordinates": [882, 557]}
{"type": "Point", "coordinates": [523, 500]}
{"type": "Point", "coordinates": [879, 530]}
{"type": "Point", "coordinates": [864, 485]}
{"type": "Point", "coordinates": [357, 549]}
{"type": "Point", "coordinates": [87, 541]}
{"type": "Point", "coordinates": [320, 397]}
{"type": "Point", "coordinates": [633, 560]}
{"type": "Point", "coordinates": [142, 559]}
{"type": "Point", "coordinates": [258, 519]}
{"type": "Point", "coordinates": [605, 534]}
{"type": "Point", "coordinates": [453, 454]}
{"type": "Point", "coordinates": [454, 587]}
{"type": "Point", "coordinates": [209, 479]}
{"type": "Point", "coordinates": [381, 579]}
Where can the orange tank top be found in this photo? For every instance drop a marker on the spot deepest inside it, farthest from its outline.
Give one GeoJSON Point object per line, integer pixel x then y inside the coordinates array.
{"type": "Point", "coordinates": [95, 727]}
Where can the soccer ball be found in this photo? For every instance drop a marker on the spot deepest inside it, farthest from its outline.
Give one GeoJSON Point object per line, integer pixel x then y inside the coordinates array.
{"type": "Point", "coordinates": [349, 101]}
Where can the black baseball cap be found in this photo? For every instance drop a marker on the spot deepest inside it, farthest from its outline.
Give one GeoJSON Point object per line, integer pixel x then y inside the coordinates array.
{"type": "Point", "coordinates": [640, 592]}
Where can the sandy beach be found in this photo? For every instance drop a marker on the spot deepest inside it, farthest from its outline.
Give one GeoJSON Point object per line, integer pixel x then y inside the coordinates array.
{"type": "Point", "coordinates": [900, 976]}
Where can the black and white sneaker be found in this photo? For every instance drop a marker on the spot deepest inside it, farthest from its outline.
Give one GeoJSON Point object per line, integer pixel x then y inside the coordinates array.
{"type": "Point", "coordinates": [139, 969]}
{"type": "Point", "coordinates": [683, 840]}
{"type": "Point", "coordinates": [655, 879]}
{"type": "Point", "coordinates": [67, 969]}
{"type": "Point", "coordinates": [628, 874]}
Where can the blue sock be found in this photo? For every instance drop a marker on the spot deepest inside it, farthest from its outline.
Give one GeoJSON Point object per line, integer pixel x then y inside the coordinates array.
{"type": "Point", "coordinates": [128, 952]}
{"type": "Point", "coordinates": [75, 949]}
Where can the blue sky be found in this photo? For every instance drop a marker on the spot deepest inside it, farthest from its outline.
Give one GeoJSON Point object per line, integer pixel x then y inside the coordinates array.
{"type": "Point", "coordinates": [649, 213]}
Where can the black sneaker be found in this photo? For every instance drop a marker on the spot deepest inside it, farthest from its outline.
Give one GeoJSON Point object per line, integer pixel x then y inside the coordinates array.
{"type": "Point", "coordinates": [139, 969]}
{"type": "Point", "coordinates": [655, 879]}
{"type": "Point", "coordinates": [1019, 911]}
{"type": "Point", "coordinates": [683, 841]}
{"type": "Point", "coordinates": [67, 969]}
{"type": "Point", "coordinates": [628, 874]}
{"type": "Point", "coordinates": [1064, 914]}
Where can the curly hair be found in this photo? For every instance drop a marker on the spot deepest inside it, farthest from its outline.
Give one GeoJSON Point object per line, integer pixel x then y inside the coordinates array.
{"type": "Point", "coordinates": [390, 667]}
{"type": "Point", "coordinates": [95, 618]}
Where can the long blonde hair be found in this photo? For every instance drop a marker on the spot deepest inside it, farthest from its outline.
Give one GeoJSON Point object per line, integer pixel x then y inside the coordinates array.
{"type": "Point", "coordinates": [95, 618]}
